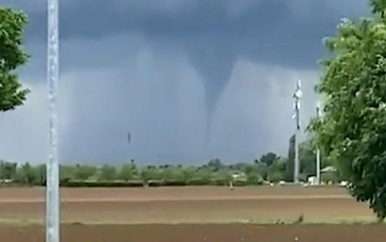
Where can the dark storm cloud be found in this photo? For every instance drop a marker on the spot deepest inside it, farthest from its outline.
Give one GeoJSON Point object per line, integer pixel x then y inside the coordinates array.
{"type": "Point", "coordinates": [275, 31]}
{"type": "Point", "coordinates": [120, 48]}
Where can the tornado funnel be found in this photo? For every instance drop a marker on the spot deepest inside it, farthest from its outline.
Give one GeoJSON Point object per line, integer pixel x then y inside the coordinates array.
{"type": "Point", "coordinates": [214, 64]}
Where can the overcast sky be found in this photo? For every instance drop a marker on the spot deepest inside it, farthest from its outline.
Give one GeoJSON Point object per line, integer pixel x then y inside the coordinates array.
{"type": "Point", "coordinates": [189, 79]}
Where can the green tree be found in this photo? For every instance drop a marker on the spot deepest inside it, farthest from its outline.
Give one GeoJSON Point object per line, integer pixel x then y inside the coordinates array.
{"type": "Point", "coordinates": [263, 170]}
{"type": "Point", "coordinates": [188, 173]}
{"type": "Point", "coordinates": [204, 174]}
{"type": "Point", "coordinates": [67, 172]}
{"type": "Point", "coordinates": [12, 56]}
{"type": "Point", "coordinates": [269, 158]}
{"type": "Point", "coordinates": [253, 175]}
{"type": "Point", "coordinates": [352, 131]}
{"type": "Point", "coordinates": [149, 173]}
{"type": "Point", "coordinates": [26, 174]}
{"type": "Point", "coordinates": [215, 164]}
{"type": "Point", "coordinates": [126, 172]}
{"type": "Point", "coordinates": [172, 173]}
{"type": "Point", "coordinates": [289, 173]}
{"type": "Point", "coordinates": [239, 166]}
{"type": "Point", "coordinates": [41, 174]}
{"type": "Point", "coordinates": [84, 172]}
{"type": "Point", "coordinates": [107, 173]}
{"type": "Point", "coordinates": [307, 157]}
{"type": "Point", "coordinates": [275, 177]}
{"type": "Point", "coordinates": [8, 170]}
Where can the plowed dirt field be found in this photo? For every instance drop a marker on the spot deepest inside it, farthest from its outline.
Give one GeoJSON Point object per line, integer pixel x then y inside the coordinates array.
{"type": "Point", "coordinates": [190, 214]}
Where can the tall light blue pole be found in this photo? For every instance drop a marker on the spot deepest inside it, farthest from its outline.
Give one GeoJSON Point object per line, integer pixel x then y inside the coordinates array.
{"type": "Point", "coordinates": [296, 105]}
{"type": "Point", "coordinates": [318, 165]}
{"type": "Point", "coordinates": [52, 165]}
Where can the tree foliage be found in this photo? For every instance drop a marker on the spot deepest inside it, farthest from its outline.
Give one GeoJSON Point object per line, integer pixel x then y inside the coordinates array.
{"type": "Point", "coordinates": [12, 56]}
{"type": "Point", "coordinates": [269, 158]}
{"type": "Point", "coordinates": [352, 131]}
{"type": "Point", "coordinates": [212, 173]}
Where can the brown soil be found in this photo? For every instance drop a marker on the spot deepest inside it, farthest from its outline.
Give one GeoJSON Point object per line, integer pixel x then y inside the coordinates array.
{"type": "Point", "coordinates": [199, 233]}
{"type": "Point", "coordinates": [104, 209]}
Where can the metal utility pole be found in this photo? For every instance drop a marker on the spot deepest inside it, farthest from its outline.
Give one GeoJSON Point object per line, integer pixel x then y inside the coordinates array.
{"type": "Point", "coordinates": [52, 165]}
{"type": "Point", "coordinates": [318, 179]}
{"type": "Point", "coordinates": [296, 105]}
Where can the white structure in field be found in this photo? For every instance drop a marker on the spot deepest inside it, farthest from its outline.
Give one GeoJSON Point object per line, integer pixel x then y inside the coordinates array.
{"type": "Point", "coordinates": [312, 180]}
{"type": "Point", "coordinates": [237, 176]}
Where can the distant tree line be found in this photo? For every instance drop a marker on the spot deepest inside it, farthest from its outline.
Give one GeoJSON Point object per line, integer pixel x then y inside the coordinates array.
{"type": "Point", "coordinates": [269, 168]}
